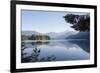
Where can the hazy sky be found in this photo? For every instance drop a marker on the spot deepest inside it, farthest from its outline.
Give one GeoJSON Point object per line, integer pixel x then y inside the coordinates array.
{"type": "Point", "coordinates": [44, 21]}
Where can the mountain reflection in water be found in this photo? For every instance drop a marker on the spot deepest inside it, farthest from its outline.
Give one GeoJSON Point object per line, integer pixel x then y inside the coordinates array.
{"type": "Point", "coordinates": [55, 50]}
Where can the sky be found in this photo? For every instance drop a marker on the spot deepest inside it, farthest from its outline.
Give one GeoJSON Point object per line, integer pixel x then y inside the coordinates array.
{"type": "Point", "coordinates": [44, 21]}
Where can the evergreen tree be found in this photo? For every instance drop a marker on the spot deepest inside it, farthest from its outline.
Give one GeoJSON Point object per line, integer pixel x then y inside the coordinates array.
{"type": "Point", "coordinates": [79, 22]}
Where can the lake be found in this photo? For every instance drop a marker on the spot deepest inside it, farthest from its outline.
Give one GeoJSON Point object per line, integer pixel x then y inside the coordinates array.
{"type": "Point", "coordinates": [55, 50]}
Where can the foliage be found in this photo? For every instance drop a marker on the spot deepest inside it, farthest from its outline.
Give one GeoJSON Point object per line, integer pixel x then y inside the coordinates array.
{"type": "Point", "coordinates": [35, 56]}
{"type": "Point", "coordinates": [35, 37]}
{"type": "Point", "coordinates": [24, 37]}
{"type": "Point", "coordinates": [79, 22]}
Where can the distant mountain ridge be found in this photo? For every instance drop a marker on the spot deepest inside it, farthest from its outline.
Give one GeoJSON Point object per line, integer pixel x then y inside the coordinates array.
{"type": "Point", "coordinates": [80, 35]}
{"type": "Point", "coordinates": [65, 34]}
{"type": "Point", "coordinates": [29, 33]}
{"type": "Point", "coordinates": [53, 35]}
{"type": "Point", "coordinates": [61, 35]}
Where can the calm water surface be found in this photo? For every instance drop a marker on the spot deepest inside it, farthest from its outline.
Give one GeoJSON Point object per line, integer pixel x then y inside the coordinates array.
{"type": "Point", "coordinates": [55, 50]}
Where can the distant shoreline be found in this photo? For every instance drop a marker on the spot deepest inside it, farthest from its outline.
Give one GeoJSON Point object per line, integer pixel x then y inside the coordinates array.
{"type": "Point", "coordinates": [52, 40]}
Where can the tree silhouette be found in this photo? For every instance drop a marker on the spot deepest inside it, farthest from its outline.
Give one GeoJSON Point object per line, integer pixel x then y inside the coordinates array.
{"type": "Point", "coordinates": [34, 57]}
{"type": "Point", "coordinates": [79, 22]}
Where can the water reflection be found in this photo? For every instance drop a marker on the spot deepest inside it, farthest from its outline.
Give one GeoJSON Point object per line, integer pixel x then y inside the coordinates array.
{"type": "Point", "coordinates": [84, 44]}
{"type": "Point", "coordinates": [34, 57]}
{"type": "Point", "coordinates": [37, 43]}
{"type": "Point", "coordinates": [55, 50]}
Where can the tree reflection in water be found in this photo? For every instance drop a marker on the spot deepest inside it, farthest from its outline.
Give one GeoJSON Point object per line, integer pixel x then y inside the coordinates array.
{"type": "Point", "coordinates": [39, 43]}
{"type": "Point", "coordinates": [34, 57]}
